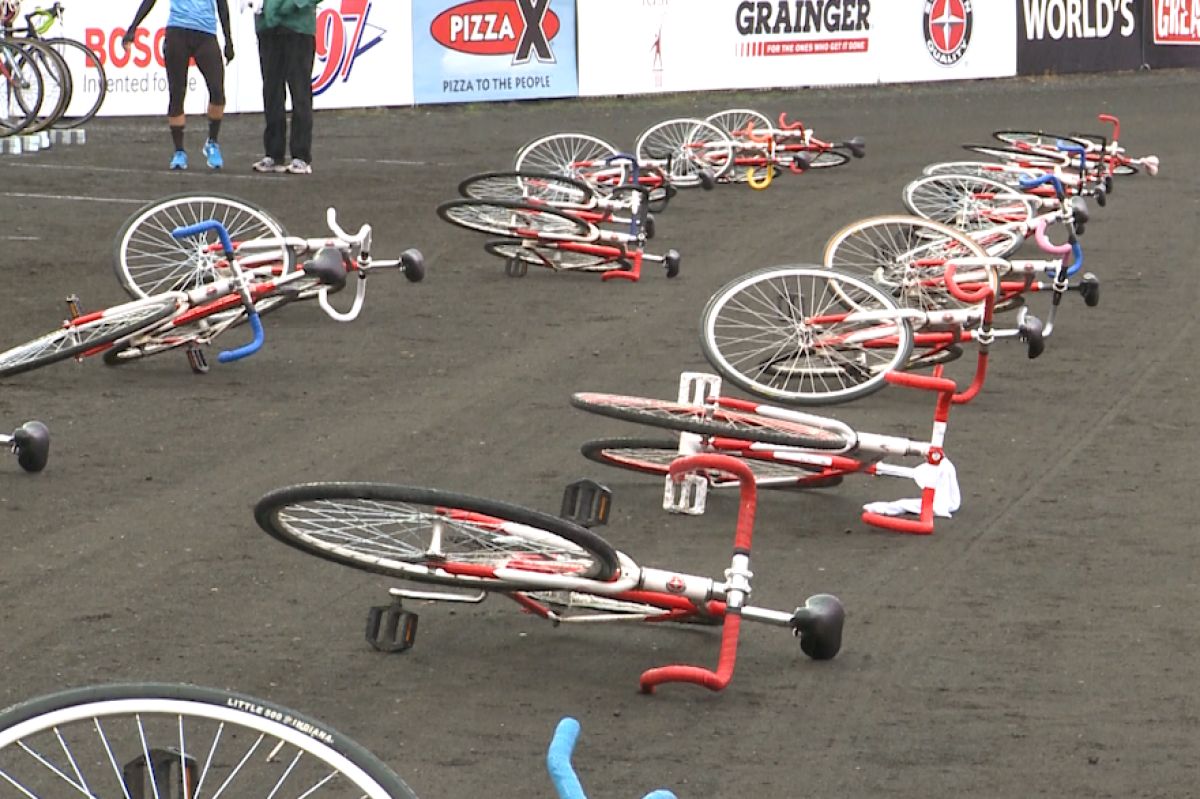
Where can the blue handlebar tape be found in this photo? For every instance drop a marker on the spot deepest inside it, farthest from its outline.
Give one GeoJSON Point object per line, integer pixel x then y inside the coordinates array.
{"type": "Point", "coordinates": [1076, 259]}
{"type": "Point", "coordinates": [631, 159]}
{"type": "Point", "coordinates": [246, 349]}
{"type": "Point", "coordinates": [204, 227]}
{"type": "Point", "coordinates": [558, 760]}
{"type": "Point", "coordinates": [1033, 183]}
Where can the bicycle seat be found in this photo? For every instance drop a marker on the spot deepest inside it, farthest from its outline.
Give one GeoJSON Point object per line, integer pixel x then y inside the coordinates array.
{"type": "Point", "coordinates": [328, 267]}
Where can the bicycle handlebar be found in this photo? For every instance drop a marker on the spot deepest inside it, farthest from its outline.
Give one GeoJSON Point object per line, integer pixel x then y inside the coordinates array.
{"type": "Point", "coordinates": [626, 157]}
{"type": "Point", "coordinates": [246, 349]}
{"type": "Point", "coordinates": [1033, 183]}
{"type": "Point", "coordinates": [958, 292]}
{"type": "Point", "coordinates": [362, 239]}
{"type": "Point", "coordinates": [204, 227]}
{"type": "Point", "coordinates": [562, 773]}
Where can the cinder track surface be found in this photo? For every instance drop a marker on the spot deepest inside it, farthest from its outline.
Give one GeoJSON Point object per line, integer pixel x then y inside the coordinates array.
{"type": "Point", "coordinates": [1041, 643]}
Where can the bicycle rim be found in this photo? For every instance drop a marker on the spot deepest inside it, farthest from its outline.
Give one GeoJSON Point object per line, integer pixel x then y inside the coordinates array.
{"type": "Point", "coordinates": [503, 218]}
{"type": "Point", "coordinates": [155, 740]}
{"type": "Point", "coordinates": [654, 456]}
{"type": "Point", "coordinates": [389, 529]}
{"type": "Point", "coordinates": [742, 425]}
{"type": "Point", "coordinates": [520, 186]}
{"type": "Point", "coordinates": [967, 202]}
{"type": "Point", "coordinates": [149, 260]}
{"type": "Point", "coordinates": [540, 254]}
{"type": "Point", "coordinates": [804, 335]}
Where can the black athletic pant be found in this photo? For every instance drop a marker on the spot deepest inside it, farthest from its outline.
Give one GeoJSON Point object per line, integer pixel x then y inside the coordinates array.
{"type": "Point", "coordinates": [181, 45]}
{"type": "Point", "coordinates": [286, 58]}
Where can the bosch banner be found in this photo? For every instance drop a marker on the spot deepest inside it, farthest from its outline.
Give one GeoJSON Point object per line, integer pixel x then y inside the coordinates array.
{"type": "Point", "coordinates": [493, 50]}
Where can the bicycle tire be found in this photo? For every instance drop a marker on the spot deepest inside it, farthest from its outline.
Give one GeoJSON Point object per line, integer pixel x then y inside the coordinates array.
{"type": "Point", "coordinates": [654, 456]}
{"type": "Point", "coordinates": [1038, 141]}
{"type": "Point", "coordinates": [76, 338]}
{"type": "Point", "coordinates": [736, 122]}
{"type": "Point", "coordinates": [141, 739]}
{"type": "Point", "coordinates": [576, 155]}
{"type": "Point", "coordinates": [688, 147]}
{"type": "Point", "coordinates": [1022, 157]}
{"type": "Point", "coordinates": [968, 203]}
{"type": "Point", "coordinates": [757, 332]}
{"type": "Point", "coordinates": [21, 89]}
{"type": "Point", "coordinates": [889, 252]}
{"type": "Point", "coordinates": [558, 190]}
{"type": "Point", "coordinates": [56, 84]}
{"type": "Point", "coordinates": [516, 220]}
{"type": "Point", "coordinates": [824, 159]}
{"type": "Point", "coordinates": [536, 253]}
{"type": "Point", "coordinates": [743, 425]}
{"type": "Point", "coordinates": [379, 528]}
{"type": "Point", "coordinates": [149, 260]}
{"type": "Point", "coordinates": [993, 170]}
{"type": "Point", "coordinates": [89, 83]}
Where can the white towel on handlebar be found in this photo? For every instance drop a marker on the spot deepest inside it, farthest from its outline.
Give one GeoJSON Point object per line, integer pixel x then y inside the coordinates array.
{"type": "Point", "coordinates": [942, 478]}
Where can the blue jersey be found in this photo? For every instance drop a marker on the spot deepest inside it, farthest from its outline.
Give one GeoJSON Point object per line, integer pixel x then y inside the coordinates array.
{"type": "Point", "coordinates": [195, 15]}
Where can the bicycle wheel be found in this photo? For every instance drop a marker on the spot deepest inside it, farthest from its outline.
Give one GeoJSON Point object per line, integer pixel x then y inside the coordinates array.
{"type": "Point", "coordinates": [89, 84]}
{"type": "Point", "coordinates": [968, 203]}
{"type": "Point", "coordinates": [1004, 173]}
{"type": "Point", "coordinates": [21, 89]}
{"type": "Point", "coordinates": [574, 155]}
{"type": "Point", "coordinates": [56, 84]}
{"type": "Point", "coordinates": [535, 253]}
{"type": "Point", "coordinates": [684, 148]}
{"type": "Point", "coordinates": [516, 219]}
{"type": "Point", "coordinates": [713, 421]}
{"type": "Point", "coordinates": [654, 456]}
{"type": "Point", "coordinates": [1016, 155]}
{"type": "Point", "coordinates": [87, 333]}
{"type": "Point", "coordinates": [824, 159]}
{"type": "Point", "coordinates": [904, 256]}
{"type": "Point", "coordinates": [148, 260]}
{"type": "Point", "coordinates": [1037, 141]}
{"type": "Point", "coordinates": [740, 123]}
{"type": "Point", "coordinates": [405, 532]}
{"type": "Point", "coordinates": [158, 740]}
{"type": "Point", "coordinates": [804, 335]}
{"type": "Point", "coordinates": [525, 186]}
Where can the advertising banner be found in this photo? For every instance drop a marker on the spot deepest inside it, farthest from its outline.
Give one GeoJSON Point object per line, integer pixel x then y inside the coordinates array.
{"type": "Point", "coordinates": [1176, 22]}
{"type": "Point", "coordinates": [1078, 35]}
{"type": "Point", "coordinates": [363, 57]}
{"type": "Point", "coordinates": [493, 50]}
{"type": "Point", "coordinates": [677, 45]}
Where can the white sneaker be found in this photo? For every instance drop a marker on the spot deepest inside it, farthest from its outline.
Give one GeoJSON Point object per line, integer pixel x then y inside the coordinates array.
{"type": "Point", "coordinates": [298, 167]}
{"type": "Point", "coordinates": [267, 164]}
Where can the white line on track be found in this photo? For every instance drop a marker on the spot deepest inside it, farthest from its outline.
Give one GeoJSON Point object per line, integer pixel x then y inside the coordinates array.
{"type": "Point", "coordinates": [391, 162]}
{"type": "Point", "coordinates": [72, 198]}
{"type": "Point", "coordinates": [20, 238]}
{"type": "Point", "coordinates": [126, 170]}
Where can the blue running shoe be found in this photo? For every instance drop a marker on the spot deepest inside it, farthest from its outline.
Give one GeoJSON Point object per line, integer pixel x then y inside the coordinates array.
{"type": "Point", "coordinates": [212, 151]}
{"type": "Point", "coordinates": [179, 160]}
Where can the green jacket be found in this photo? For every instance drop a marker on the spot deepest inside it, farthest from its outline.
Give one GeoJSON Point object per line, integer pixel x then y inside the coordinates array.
{"type": "Point", "coordinates": [297, 15]}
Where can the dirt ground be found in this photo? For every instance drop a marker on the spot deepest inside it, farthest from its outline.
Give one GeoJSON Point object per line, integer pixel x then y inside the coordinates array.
{"type": "Point", "coordinates": [1041, 643]}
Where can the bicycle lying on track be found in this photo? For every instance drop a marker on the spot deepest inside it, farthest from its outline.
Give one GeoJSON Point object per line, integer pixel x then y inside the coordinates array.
{"type": "Point", "coordinates": [1038, 149]}
{"type": "Point", "coordinates": [174, 741]}
{"type": "Point", "coordinates": [761, 149]}
{"type": "Point", "coordinates": [31, 444]}
{"type": "Point", "coordinates": [194, 318]}
{"type": "Point", "coordinates": [553, 567]}
{"type": "Point", "coordinates": [555, 222]}
{"type": "Point", "coordinates": [782, 448]}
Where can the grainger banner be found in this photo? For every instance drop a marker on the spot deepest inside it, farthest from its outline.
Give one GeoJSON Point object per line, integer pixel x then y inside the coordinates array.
{"type": "Point", "coordinates": [682, 45]}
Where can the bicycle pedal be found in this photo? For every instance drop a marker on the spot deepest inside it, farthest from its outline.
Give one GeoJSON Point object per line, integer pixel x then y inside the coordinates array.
{"type": "Point", "coordinates": [515, 267]}
{"type": "Point", "coordinates": [197, 360]}
{"type": "Point", "coordinates": [391, 628]}
{"type": "Point", "coordinates": [586, 503]}
{"type": "Point", "coordinates": [73, 306]}
{"type": "Point", "coordinates": [689, 495]}
{"type": "Point", "coordinates": [1089, 289]}
{"type": "Point", "coordinates": [160, 773]}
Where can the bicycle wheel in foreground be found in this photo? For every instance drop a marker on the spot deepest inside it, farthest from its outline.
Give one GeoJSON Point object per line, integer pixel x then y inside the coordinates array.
{"type": "Point", "coordinates": [744, 425]}
{"type": "Point", "coordinates": [173, 741]}
{"type": "Point", "coordinates": [149, 260]}
{"type": "Point", "coordinates": [405, 532]}
{"type": "Point", "coordinates": [804, 335]}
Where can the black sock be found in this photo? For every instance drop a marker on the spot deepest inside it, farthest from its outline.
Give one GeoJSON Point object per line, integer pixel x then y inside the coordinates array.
{"type": "Point", "coordinates": [177, 136]}
{"type": "Point", "coordinates": [214, 129]}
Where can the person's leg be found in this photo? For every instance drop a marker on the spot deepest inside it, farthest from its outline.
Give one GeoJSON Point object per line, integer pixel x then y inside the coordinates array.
{"type": "Point", "coordinates": [301, 54]}
{"type": "Point", "coordinates": [212, 66]}
{"type": "Point", "coordinates": [175, 56]}
{"type": "Point", "coordinates": [271, 55]}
